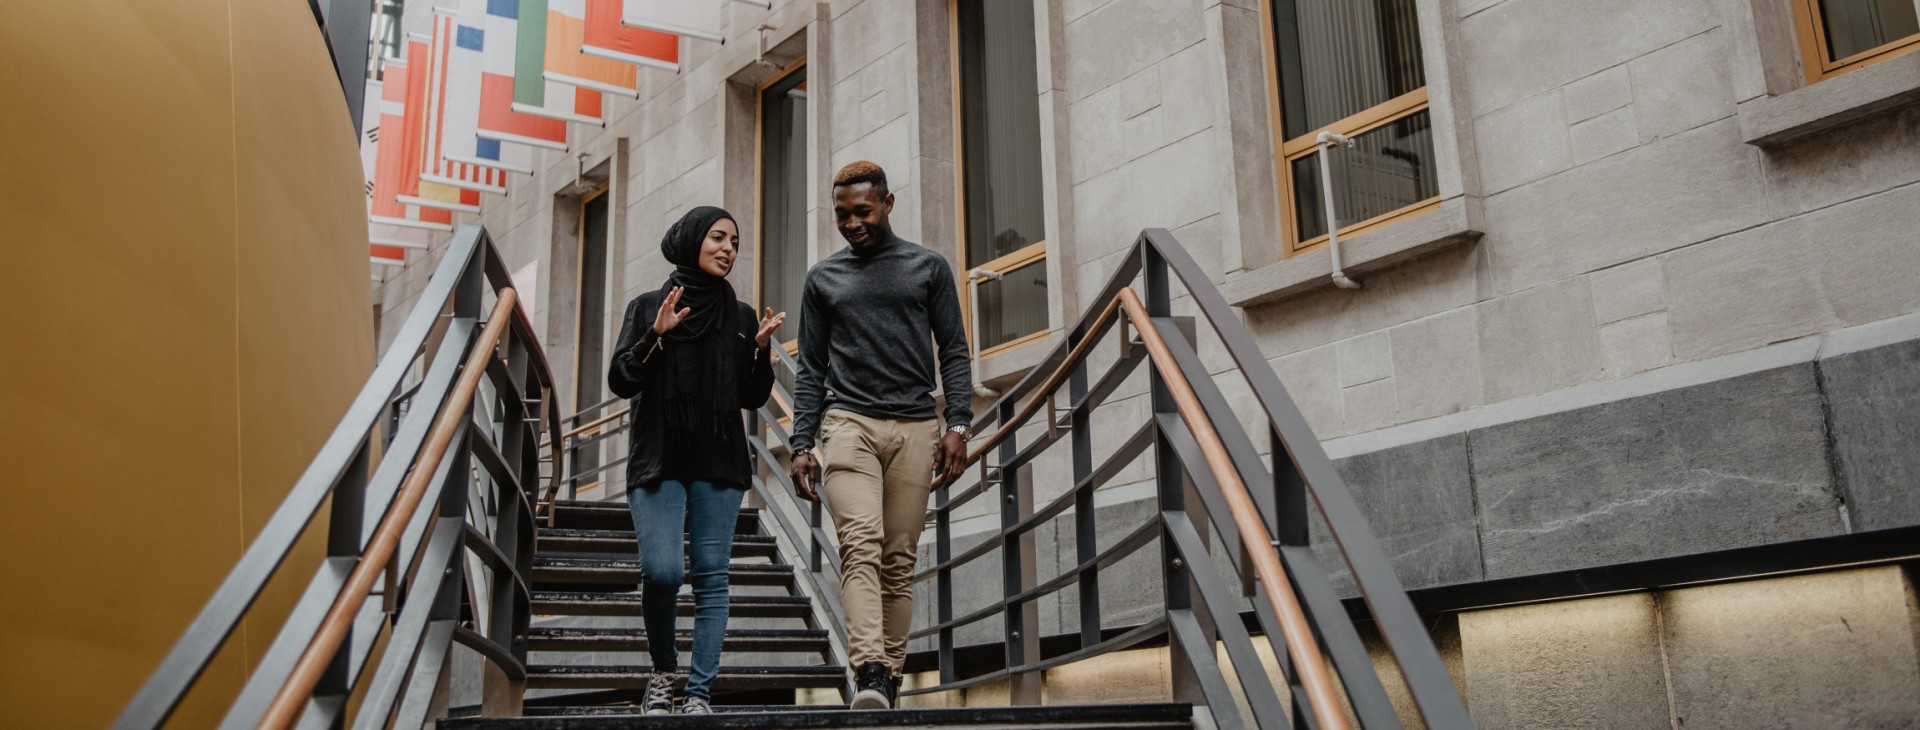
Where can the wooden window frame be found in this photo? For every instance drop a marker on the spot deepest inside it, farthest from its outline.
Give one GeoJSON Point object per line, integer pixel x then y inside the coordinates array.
{"type": "Point", "coordinates": [1285, 152]}
{"type": "Point", "coordinates": [1816, 56]}
{"type": "Point", "coordinates": [759, 192]}
{"type": "Point", "coordinates": [1028, 254]}
{"type": "Point", "coordinates": [580, 303]}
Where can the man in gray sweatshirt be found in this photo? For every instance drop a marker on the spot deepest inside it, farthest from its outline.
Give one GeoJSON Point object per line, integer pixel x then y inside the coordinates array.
{"type": "Point", "coordinates": [874, 317]}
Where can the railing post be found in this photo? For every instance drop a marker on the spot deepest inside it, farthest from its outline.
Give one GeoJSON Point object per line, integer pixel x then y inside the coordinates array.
{"type": "Point", "coordinates": [1170, 488]}
{"type": "Point", "coordinates": [1017, 571]}
{"type": "Point", "coordinates": [344, 528]}
{"type": "Point", "coordinates": [1085, 527]}
{"type": "Point", "coordinates": [943, 583]}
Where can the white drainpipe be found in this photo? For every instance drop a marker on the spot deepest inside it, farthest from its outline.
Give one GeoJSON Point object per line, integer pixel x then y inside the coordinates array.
{"type": "Point", "coordinates": [1333, 224]}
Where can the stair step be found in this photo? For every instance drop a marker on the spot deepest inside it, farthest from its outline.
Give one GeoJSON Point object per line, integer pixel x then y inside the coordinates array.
{"type": "Point", "coordinates": [562, 540]}
{"type": "Point", "coordinates": [1054, 717]}
{"type": "Point", "coordinates": [583, 603]}
{"type": "Point", "coordinates": [618, 710]}
{"type": "Point", "coordinates": [577, 639]}
{"type": "Point", "coordinates": [552, 676]}
{"type": "Point", "coordinates": [585, 515]}
{"type": "Point", "coordinates": [548, 570]}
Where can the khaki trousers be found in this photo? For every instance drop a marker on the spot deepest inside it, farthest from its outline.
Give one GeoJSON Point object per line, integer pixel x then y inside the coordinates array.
{"type": "Point", "coordinates": [877, 473]}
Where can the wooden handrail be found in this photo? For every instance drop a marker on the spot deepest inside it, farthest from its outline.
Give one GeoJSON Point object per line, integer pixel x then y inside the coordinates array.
{"type": "Point", "coordinates": [1301, 646]}
{"type": "Point", "coordinates": [1045, 392]}
{"type": "Point", "coordinates": [291, 699]}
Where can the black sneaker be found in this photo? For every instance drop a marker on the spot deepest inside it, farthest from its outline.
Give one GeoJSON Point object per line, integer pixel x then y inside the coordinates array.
{"type": "Point", "coordinates": [893, 692]}
{"type": "Point", "coordinates": [871, 684]}
{"type": "Point", "coordinates": [659, 699]}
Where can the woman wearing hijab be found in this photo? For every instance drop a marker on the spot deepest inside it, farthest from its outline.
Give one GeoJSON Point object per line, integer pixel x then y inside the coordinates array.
{"type": "Point", "coordinates": [690, 358]}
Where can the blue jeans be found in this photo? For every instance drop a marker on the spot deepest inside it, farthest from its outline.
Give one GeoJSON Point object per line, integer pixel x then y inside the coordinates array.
{"type": "Point", "coordinates": [705, 513]}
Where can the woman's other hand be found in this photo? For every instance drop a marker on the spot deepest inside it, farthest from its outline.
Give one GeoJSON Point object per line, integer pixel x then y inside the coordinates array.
{"type": "Point", "coordinates": [768, 323]}
{"type": "Point", "coordinates": [669, 315]}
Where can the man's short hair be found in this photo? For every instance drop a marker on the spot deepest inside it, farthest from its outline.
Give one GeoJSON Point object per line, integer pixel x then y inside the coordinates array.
{"type": "Point", "coordinates": [861, 172]}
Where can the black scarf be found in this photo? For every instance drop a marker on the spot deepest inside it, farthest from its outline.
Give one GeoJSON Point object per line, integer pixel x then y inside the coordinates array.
{"type": "Point", "coordinates": [702, 369]}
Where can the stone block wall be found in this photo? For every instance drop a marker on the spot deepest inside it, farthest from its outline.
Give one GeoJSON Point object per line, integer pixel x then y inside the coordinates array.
{"type": "Point", "coordinates": [1633, 346]}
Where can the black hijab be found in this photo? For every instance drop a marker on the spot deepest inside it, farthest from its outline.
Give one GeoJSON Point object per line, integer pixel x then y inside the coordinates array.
{"type": "Point", "coordinates": [703, 352]}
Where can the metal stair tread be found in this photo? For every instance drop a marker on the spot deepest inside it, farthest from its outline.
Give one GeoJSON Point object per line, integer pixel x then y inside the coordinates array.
{"type": "Point", "coordinates": [627, 603]}
{"type": "Point", "coordinates": [559, 676]}
{"type": "Point", "coordinates": [587, 533]}
{"type": "Point", "coordinates": [1158, 715]}
{"type": "Point", "coordinates": [548, 561]}
{"type": "Point", "coordinates": [569, 631]}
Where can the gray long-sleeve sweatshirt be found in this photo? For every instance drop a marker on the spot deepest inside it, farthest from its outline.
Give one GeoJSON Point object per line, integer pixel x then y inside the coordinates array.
{"type": "Point", "coordinates": [871, 325]}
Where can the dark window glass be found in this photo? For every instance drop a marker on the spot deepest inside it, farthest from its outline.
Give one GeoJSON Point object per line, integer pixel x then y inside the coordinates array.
{"type": "Point", "coordinates": [1855, 26]}
{"type": "Point", "coordinates": [591, 383]}
{"type": "Point", "coordinates": [1014, 306]}
{"type": "Point", "coordinates": [1000, 129]}
{"type": "Point", "coordinates": [1338, 58]}
{"type": "Point", "coordinates": [783, 198]}
{"type": "Point", "coordinates": [1386, 169]}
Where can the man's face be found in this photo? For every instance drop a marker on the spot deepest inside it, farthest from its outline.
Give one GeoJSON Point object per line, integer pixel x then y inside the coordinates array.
{"type": "Point", "coordinates": [860, 212]}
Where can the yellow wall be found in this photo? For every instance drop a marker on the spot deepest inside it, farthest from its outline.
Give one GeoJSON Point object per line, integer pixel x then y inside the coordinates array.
{"type": "Point", "coordinates": [183, 319]}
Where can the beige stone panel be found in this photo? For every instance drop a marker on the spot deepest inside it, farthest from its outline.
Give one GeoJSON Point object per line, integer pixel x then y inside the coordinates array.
{"type": "Point", "coordinates": [1108, 44]}
{"type": "Point", "coordinates": [1865, 157]}
{"type": "Point", "coordinates": [1682, 86]}
{"type": "Point", "coordinates": [1436, 364]}
{"type": "Point", "coordinates": [1591, 663]}
{"type": "Point", "coordinates": [1635, 345]}
{"type": "Point", "coordinates": [1309, 377]}
{"type": "Point", "coordinates": [1603, 136]}
{"type": "Point", "coordinates": [1523, 142]}
{"type": "Point", "coordinates": [1825, 650]}
{"type": "Point", "coordinates": [1871, 270]}
{"type": "Point", "coordinates": [1653, 198]}
{"type": "Point", "coordinates": [1143, 675]}
{"type": "Point", "coordinates": [1745, 290]}
{"type": "Point", "coordinates": [1598, 94]}
{"type": "Point", "coordinates": [1539, 340]}
{"type": "Point", "coordinates": [1419, 288]}
{"type": "Point", "coordinates": [1516, 50]}
{"type": "Point", "coordinates": [1628, 291]}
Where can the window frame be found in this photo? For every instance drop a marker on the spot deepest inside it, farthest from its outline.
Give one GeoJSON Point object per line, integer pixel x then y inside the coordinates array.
{"type": "Point", "coordinates": [1816, 57]}
{"type": "Point", "coordinates": [1285, 152]}
{"type": "Point", "coordinates": [759, 191]}
{"type": "Point", "coordinates": [579, 308]}
{"type": "Point", "coordinates": [1029, 254]}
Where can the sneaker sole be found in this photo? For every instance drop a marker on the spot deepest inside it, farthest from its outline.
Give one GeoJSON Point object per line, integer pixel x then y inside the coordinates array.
{"type": "Point", "coordinates": [869, 699]}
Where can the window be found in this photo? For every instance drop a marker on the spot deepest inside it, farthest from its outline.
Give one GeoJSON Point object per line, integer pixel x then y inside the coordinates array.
{"type": "Point", "coordinates": [783, 186]}
{"type": "Point", "coordinates": [590, 360]}
{"type": "Point", "coordinates": [1002, 211]}
{"type": "Point", "coordinates": [1351, 67]}
{"type": "Point", "coordinates": [1837, 36]}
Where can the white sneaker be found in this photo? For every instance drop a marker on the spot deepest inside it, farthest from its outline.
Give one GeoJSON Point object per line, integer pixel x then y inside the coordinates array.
{"type": "Point", "coordinates": [695, 706]}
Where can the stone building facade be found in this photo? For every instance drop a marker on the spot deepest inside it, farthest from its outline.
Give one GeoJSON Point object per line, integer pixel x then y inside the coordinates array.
{"type": "Point", "coordinates": [1662, 299]}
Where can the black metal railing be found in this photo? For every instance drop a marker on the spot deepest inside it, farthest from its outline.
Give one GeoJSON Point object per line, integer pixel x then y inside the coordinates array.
{"type": "Point", "coordinates": [1199, 448]}
{"type": "Point", "coordinates": [432, 477]}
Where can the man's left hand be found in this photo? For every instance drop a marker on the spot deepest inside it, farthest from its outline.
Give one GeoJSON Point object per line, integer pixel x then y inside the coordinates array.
{"type": "Point", "coordinates": [949, 458]}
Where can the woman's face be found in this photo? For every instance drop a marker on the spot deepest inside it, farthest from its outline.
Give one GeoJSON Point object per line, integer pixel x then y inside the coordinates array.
{"type": "Point", "coordinates": [719, 248]}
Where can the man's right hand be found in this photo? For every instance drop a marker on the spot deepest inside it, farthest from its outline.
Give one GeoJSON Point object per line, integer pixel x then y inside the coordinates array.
{"type": "Point", "coordinates": [804, 467]}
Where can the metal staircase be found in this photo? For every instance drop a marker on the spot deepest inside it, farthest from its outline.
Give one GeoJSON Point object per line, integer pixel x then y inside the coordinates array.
{"type": "Point", "coordinates": [446, 473]}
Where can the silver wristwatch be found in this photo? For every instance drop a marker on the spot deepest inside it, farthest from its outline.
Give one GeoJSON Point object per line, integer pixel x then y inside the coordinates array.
{"type": "Point", "coordinates": [965, 431]}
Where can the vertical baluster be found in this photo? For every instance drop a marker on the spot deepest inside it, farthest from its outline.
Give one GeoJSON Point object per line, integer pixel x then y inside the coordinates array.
{"type": "Point", "coordinates": [1017, 568]}
{"type": "Point", "coordinates": [943, 581]}
{"type": "Point", "coordinates": [1086, 538]}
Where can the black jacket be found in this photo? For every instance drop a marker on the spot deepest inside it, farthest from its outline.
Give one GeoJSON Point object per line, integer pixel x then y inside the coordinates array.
{"type": "Point", "coordinates": [631, 375]}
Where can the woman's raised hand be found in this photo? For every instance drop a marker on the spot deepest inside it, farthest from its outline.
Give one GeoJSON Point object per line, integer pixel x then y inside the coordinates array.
{"type": "Point", "coordinates": [768, 323]}
{"type": "Point", "coordinates": [670, 314]}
